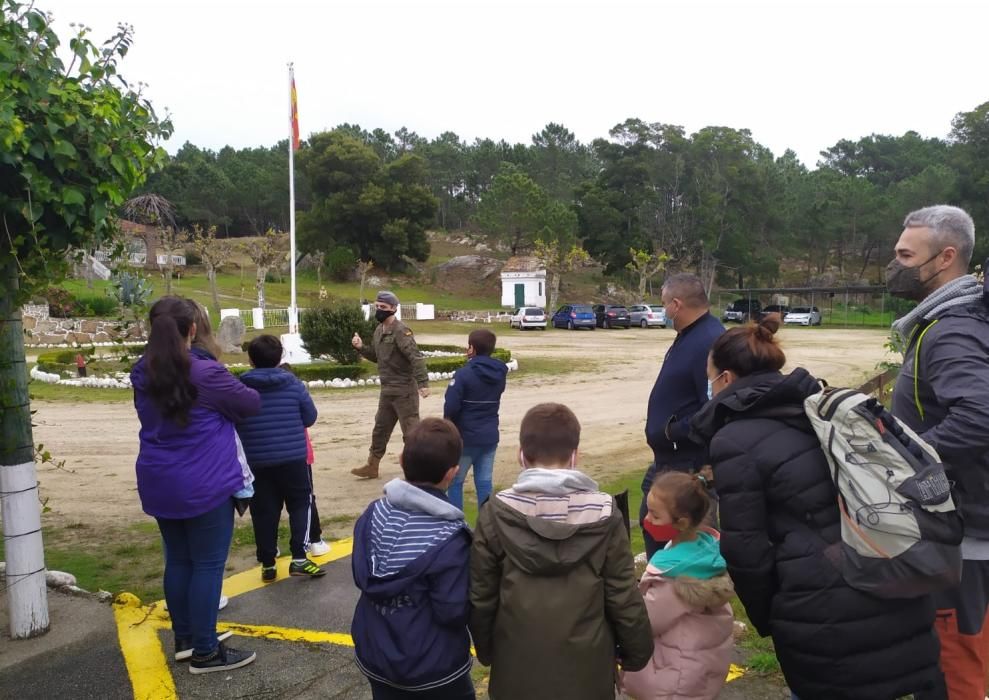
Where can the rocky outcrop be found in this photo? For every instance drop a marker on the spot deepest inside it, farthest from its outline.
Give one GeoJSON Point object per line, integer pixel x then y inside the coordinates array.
{"type": "Point", "coordinates": [42, 330]}
{"type": "Point", "coordinates": [476, 266]}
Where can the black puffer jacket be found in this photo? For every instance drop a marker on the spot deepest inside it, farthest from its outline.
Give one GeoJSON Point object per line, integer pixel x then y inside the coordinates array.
{"type": "Point", "coordinates": [778, 517]}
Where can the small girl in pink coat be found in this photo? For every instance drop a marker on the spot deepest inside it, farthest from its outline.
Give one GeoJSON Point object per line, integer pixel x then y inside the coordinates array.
{"type": "Point", "coordinates": [686, 589]}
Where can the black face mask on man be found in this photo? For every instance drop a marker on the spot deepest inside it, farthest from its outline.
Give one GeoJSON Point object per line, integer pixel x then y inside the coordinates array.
{"type": "Point", "coordinates": [382, 314]}
{"type": "Point", "coordinates": [904, 280]}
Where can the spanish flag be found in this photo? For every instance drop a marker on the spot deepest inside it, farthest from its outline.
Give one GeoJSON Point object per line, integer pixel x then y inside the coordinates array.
{"type": "Point", "coordinates": [295, 115]}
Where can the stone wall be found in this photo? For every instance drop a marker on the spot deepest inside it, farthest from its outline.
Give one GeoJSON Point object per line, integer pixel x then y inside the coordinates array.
{"type": "Point", "coordinates": [40, 330]}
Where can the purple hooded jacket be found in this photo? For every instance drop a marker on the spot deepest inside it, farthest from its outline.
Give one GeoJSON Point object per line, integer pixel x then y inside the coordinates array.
{"type": "Point", "coordinates": [186, 471]}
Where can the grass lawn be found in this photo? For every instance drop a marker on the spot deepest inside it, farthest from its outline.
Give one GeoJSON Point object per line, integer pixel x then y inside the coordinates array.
{"type": "Point", "coordinates": [235, 293]}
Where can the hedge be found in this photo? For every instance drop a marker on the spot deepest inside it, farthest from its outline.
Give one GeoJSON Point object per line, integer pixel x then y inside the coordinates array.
{"type": "Point", "coordinates": [328, 370]}
{"type": "Point", "coordinates": [64, 357]}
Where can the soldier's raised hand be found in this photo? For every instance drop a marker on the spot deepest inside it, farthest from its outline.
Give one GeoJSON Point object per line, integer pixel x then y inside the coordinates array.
{"type": "Point", "coordinates": [357, 342]}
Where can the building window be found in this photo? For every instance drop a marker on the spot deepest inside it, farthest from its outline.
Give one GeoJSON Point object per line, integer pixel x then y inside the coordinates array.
{"type": "Point", "coordinates": [540, 289]}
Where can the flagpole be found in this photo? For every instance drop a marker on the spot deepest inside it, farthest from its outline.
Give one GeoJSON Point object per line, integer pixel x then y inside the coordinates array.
{"type": "Point", "coordinates": [293, 312]}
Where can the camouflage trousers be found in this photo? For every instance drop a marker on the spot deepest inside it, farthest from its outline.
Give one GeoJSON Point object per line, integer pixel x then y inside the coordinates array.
{"type": "Point", "coordinates": [393, 407]}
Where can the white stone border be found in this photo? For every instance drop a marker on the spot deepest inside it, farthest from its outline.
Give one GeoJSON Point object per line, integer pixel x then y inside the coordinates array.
{"type": "Point", "coordinates": [122, 380]}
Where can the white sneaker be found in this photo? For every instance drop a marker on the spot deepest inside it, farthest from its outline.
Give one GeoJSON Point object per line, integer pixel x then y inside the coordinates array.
{"type": "Point", "coordinates": [223, 602]}
{"type": "Point", "coordinates": [318, 549]}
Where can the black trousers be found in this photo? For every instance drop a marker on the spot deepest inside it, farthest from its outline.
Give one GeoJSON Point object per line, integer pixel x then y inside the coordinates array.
{"type": "Point", "coordinates": [460, 689]}
{"type": "Point", "coordinates": [315, 529]}
{"type": "Point", "coordinates": [288, 485]}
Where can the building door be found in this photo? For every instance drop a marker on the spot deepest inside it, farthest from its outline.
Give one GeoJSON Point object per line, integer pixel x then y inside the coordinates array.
{"type": "Point", "coordinates": [519, 295]}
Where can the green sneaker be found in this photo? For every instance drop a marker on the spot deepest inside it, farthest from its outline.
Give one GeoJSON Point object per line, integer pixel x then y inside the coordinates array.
{"type": "Point", "coordinates": [305, 567]}
{"type": "Point", "coordinates": [269, 573]}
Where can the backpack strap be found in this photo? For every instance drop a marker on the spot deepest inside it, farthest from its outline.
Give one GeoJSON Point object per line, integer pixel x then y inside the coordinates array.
{"type": "Point", "coordinates": [916, 368]}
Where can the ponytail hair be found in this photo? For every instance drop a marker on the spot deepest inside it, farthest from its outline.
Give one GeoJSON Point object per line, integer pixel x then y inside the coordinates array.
{"type": "Point", "coordinates": [685, 495]}
{"type": "Point", "coordinates": [167, 358]}
{"type": "Point", "coordinates": [750, 348]}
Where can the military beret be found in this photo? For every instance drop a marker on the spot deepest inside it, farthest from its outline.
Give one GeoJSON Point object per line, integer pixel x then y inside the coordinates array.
{"type": "Point", "coordinates": [387, 298]}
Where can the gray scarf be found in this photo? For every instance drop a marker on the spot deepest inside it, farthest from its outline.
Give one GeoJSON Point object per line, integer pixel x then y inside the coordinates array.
{"type": "Point", "coordinates": [957, 292]}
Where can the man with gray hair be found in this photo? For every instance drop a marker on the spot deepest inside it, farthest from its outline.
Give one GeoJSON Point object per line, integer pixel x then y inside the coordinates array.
{"type": "Point", "coordinates": [942, 393]}
{"type": "Point", "coordinates": [402, 371]}
{"type": "Point", "coordinates": [681, 388]}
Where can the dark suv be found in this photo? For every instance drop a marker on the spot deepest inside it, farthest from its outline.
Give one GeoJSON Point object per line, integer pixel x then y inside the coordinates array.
{"type": "Point", "coordinates": [781, 309]}
{"type": "Point", "coordinates": [610, 316]}
{"type": "Point", "coordinates": [742, 310]}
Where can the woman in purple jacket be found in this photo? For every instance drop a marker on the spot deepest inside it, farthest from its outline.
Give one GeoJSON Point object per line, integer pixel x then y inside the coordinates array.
{"type": "Point", "coordinates": [187, 472]}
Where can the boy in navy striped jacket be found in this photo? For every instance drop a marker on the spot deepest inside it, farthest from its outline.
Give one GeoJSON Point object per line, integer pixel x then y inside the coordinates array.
{"type": "Point", "coordinates": [410, 561]}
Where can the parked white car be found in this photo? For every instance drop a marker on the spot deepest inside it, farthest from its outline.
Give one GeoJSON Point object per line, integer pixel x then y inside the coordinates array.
{"type": "Point", "coordinates": [528, 317]}
{"type": "Point", "coordinates": [647, 316]}
{"type": "Point", "coordinates": [803, 316]}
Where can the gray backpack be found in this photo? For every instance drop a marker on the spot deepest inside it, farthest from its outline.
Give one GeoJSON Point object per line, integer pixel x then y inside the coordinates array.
{"type": "Point", "coordinates": [900, 531]}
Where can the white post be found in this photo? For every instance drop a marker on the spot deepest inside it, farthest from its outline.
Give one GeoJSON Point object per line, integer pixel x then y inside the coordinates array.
{"type": "Point", "coordinates": [293, 117]}
{"type": "Point", "coordinates": [27, 595]}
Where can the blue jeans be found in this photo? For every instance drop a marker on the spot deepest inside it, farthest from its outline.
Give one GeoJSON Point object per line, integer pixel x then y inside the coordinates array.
{"type": "Point", "coordinates": [482, 458]}
{"type": "Point", "coordinates": [195, 553]}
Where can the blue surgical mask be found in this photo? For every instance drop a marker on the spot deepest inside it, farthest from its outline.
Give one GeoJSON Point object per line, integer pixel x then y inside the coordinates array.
{"type": "Point", "coordinates": [710, 390]}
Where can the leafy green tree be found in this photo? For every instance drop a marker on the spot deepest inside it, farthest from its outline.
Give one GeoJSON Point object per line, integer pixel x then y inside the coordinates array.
{"type": "Point", "coordinates": [515, 211]}
{"type": "Point", "coordinates": [327, 330]}
{"type": "Point", "coordinates": [75, 142]}
{"type": "Point", "coordinates": [970, 158]}
{"type": "Point", "coordinates": [560, 256]}
{"type": "Point", "coordinates": [446, 160]}
{"type": "Point", "coordinates": [559, 162]}
{"type": "Point", "coordinates": [379, 210]}
{"type": "Point", "coordinates": [646, 265]}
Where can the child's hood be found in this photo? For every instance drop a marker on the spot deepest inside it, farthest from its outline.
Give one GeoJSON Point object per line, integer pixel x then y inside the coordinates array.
{"type": "Point", "coordinates": [268, 378]}
{"type": "Point", "coordinates": [552, 520]}
{"type": "Point", "coordinates": [488, 369]}
{"type": "Point", "coordinates": [696, 593]}
{"type": "Point", "coordinates": [402, 532]}
{"type": "Point", "coordinates": [696, 570]}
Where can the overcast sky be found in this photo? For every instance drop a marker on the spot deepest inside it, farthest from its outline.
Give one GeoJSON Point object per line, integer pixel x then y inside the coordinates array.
{"type": "Point", "coordinates": [798, 74]}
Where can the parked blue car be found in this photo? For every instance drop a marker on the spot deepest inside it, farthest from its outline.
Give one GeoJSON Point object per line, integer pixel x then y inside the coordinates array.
{"type": "Point", "coordinates": [574, 316]}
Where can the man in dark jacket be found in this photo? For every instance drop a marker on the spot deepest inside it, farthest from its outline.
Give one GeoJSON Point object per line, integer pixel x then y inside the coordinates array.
{"type": "Point", "coordinates": [681, 387]}
{"type": "Point", "coordinates": [472, 400]}
{"type": "Point", "coordinates": [402, 371]}
{"type": "Point", "coordinates": [410, 561]}
{"type": "Point", "coordinates": [275, 444]}
{"type": "Point", "coordinates": [942, 392]}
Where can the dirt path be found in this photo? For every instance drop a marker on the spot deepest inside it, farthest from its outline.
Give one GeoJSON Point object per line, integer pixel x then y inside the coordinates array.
{"type": "Point", "coordinates": [99, 441]}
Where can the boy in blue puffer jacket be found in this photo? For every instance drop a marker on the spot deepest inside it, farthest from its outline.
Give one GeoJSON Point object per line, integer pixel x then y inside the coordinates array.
{"type": "Point", "coordinates": [275, 444]}
{"type": "Point", "coordinates": [410, 561]}
{"type": "Point", "coordinates": [472, 401]}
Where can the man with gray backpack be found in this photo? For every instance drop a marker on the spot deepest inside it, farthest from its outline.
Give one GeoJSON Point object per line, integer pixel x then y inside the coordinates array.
{"type": "Point", "coordinates": [942, 394]}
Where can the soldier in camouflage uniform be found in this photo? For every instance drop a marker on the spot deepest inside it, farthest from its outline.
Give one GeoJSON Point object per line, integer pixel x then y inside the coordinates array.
{"type": "Point", "coordinates": [402, 371]}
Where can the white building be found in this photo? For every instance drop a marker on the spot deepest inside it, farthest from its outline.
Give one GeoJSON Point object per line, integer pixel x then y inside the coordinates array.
{"type": "Point", "coordinates": [523, 282]}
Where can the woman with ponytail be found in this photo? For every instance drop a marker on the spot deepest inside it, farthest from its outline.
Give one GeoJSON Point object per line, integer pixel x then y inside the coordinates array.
{"type": "Point", "coordinates": [187, 473]}
{"type": "Point", "coordinates": [781, 535]}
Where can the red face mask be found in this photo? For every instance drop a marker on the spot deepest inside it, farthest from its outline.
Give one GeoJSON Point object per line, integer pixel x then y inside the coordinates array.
{"type": "Point", "coordinates": [660, 533]}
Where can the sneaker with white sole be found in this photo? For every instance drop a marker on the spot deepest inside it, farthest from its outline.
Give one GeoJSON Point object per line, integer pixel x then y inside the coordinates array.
{"type": "Point", "coordinates": [318, 549]}
{"type": "Point", "coordinates": [222, 659]}
{"type": "Point", "coordinates": [183, 648]}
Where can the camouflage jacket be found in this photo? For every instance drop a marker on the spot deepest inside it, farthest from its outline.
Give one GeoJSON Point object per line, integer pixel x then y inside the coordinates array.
{"type": "Point", "coordinates": [400, 364]}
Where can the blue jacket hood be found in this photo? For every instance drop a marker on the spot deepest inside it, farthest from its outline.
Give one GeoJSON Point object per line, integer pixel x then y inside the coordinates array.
{"type": "Point", "coordinates": [488, 369]}
{"type": "Point", "coordinates": [267, 378]}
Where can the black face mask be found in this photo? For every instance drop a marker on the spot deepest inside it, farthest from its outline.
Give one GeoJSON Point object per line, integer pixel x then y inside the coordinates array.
{"type": "Point", "coordinates": [382, 314]}
{"type": "Point", "coordinates": [904, 280]}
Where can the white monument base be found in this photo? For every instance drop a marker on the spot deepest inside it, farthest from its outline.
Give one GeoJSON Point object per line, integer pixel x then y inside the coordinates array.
{"type": "Point", "coordinates": [294, 352]}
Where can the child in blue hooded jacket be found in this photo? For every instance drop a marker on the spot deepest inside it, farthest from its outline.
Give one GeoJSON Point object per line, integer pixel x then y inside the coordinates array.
{"type": "Point", "coordinates": [275, 444]}
{"type": "Point", "coordinates": [472, 401]}
{"type": "Point", "coordinates": [410, 561]}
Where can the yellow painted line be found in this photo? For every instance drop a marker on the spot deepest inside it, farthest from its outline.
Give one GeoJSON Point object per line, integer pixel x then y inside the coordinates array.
{"type": "Point", "coordinates": [137, 631]}
{"type": "Point", "coordinates": [734, 673]}
{"type": "Point", "coordinates": [287, 634]}
{"type": "Point", "coordinates": [250, 580]}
